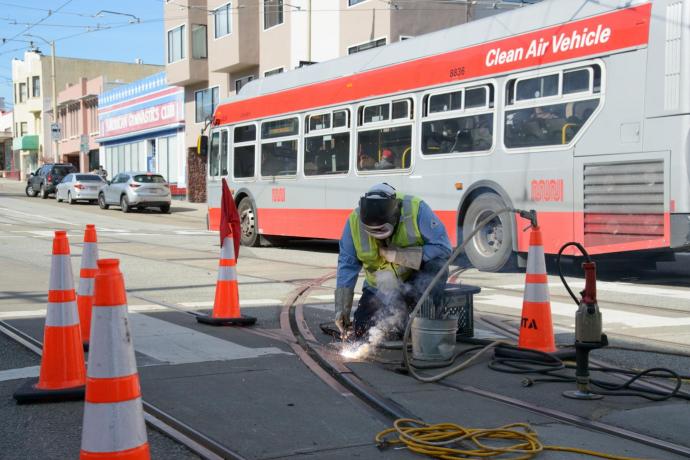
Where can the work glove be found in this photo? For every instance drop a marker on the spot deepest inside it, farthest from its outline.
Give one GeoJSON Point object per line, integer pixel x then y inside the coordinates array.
{"type": "Point", "coordinates": [407, 257]}
{"type": "Point", "coordinates": [343, 307]}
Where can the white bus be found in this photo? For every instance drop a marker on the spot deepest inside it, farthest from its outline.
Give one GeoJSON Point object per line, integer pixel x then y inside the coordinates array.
{"type": "Point", "coordinates": [579, 109]}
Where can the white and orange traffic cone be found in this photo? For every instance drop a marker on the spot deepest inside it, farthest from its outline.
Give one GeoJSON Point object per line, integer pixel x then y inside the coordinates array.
{"type": "Point", "coordinates": [114, 426]}
{"type": "Point", "coordinates": [63, 374]}
{"type": "Point", "coordinates": [87, 273]}
{"type": "Point", "coordinates": [536, 326]}
{"type": "Point", "coordinates": [226, 306]}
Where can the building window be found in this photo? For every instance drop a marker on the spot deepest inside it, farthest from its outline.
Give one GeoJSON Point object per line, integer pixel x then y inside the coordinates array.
{"type": "Point", "coordinates": [366, 46]}
{"type": "Point", "coordinates": [273, 72]}
{"type": "Point", "coordinates": [36, 86]}
{"type": "Point", "coordinates": [199, 41]}
{"type": "Point", "coordinates": [23, 128]}
{"type": "Point", "coordinates": [22, 92]}
{"type": "Point", "coordinates": [176, 44]}
{"type": "Point", "coordinates": [355, 2]}
{"type": "Point", "coordinates": [205, 103]}
{"type": "Point", "coordinates": [273, 13]}
{"type": "Point", "coordinates": [405, 37]}
{"type": "Point", "coordinates": [222, 20]}
{"type": "Point", "coordinates": [239, 83]}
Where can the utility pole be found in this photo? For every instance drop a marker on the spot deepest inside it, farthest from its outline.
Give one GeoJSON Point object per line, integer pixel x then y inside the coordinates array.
{"type": "Point", "coordinates": [54, 90]}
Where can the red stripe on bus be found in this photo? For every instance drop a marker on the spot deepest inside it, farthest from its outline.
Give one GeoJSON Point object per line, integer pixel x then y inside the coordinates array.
{"type": "Point", "coordinates": [627, 28]}
{"type": "Point", "coordinates": [557, 228]}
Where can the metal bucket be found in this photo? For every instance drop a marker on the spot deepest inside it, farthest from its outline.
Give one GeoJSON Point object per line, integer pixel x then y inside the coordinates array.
{"type": "Point", "coordinates": [433, 339]}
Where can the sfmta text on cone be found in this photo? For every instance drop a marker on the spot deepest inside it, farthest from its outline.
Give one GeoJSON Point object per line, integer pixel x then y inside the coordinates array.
{"type": "Point", "coordinates": [536, 326]}
{"type": "Point", "coordinates": [114, 426]}
{"type": "Point", "coordinates": [63, 373]}
{"type": "Point", "coordinates": [226, 305]}
{"type": "Point", "coordinates": [87, 273]}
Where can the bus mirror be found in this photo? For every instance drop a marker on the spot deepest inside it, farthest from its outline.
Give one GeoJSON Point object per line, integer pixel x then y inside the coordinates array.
{"type": "Point", "coordinates": [202, 145]}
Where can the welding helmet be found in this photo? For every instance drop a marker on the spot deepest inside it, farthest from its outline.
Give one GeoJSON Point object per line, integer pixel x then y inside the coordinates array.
{"type": "Point", "coordinates": [379, 211]}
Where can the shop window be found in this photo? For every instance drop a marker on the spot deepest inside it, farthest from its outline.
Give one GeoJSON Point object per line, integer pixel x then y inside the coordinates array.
{"type": "Point", "coordinates": [366, 46]}
{"type": "Point", "coordinates": [222, 18]}
{"type": "Point", "coordinates": [205, 103]}
{"type": "Point", "coordinates": [199, 48]}
{"type": "Point", "coordinates": [176, 44]}
{"type": "Point", "coordinates": [36, 86]}
{"type": "Point", "coordinates": [273, 13]}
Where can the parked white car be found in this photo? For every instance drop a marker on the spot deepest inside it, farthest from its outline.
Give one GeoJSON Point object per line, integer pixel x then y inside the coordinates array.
{"type": "Point", "coordinates": [79, 187]}
{"type": "Point", "coordinates": [140, 190]}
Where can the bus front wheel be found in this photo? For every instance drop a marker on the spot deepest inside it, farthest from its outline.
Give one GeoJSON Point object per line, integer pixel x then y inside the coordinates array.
{"type": "Point", "coordinates": [250, 233]}
{"type": "Point", "coordinates": [491, 248]}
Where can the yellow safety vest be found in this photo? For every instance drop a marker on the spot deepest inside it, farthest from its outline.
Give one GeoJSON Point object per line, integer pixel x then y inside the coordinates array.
{"type": "Point", "coordinates": [406, 234]}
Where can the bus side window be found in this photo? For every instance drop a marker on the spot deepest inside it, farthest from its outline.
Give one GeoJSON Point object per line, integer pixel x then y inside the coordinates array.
{"type": "Point", "coordinates": [538, 123]}
{"type": "Point", "coordinates": [243, 158]}
{"type": "Point", "coordinates": [213, 155]}
{"type": "Point", "coordinates": [224, 152]}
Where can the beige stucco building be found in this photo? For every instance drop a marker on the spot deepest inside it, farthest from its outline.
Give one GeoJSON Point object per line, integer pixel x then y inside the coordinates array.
{"type": "Point", "coordinates": [31, 78]}
{"type": "Point", "coordinates": [214, 47]}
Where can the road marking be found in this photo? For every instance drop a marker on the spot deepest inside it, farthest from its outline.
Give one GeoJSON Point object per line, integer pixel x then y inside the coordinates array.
{"type": "Point", "coordinates": [329, 296]}
{"type": "Point", "coordinates": [243, 303]}
{"type": "Point", "coordinates": [19, 373]}
{"type": "Point", "coordinates": [35, 216]}
{"type": "Point", "coordinates": [41, 312]}
{"type": "Point", "coordinates": [611, 317]}
{"type": "Point", "coordinates": [168, 342]}
{"type": "Point", "coordinates": [194, 232]}
{"type": "Point", "coordinates": [626, 288]}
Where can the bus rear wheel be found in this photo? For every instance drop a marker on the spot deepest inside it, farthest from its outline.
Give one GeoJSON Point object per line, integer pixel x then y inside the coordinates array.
{"type": "Point", "coordinates": [491, 248]}
{"type": "Point", "coordinates": [249, 229]}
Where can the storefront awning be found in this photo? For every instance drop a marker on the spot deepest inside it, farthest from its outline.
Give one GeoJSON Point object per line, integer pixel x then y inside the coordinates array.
{"type": "Point", "coordinates": [28, 142]}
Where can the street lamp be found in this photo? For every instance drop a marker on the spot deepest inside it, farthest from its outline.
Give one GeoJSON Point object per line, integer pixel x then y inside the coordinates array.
{"type": "Point", "coordinates": [56, 155]}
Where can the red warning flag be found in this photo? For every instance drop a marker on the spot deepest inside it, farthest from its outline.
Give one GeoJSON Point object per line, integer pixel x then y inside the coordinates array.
{"type": "Point", "coordinates": [229, 219]}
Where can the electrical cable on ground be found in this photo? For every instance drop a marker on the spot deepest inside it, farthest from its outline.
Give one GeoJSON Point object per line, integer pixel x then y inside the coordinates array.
{"type": "Point", "coordinates": [448, 441]}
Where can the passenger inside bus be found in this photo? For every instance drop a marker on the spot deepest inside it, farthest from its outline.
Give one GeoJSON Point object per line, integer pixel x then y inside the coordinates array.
{"type": "Point", "coordinates": [387, 160]}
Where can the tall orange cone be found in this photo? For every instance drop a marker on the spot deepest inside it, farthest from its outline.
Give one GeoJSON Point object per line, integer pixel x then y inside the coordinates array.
{"type": "Point", "coordinates": [89, 256]}
{"type": "Point", "coordinates": [226, 306]}
{"type": "Point", "coordinates": [114, 426]}
{"type": "Point", "coordinates": [63, 374]}
{"type": "Point", "coordinates": [536, 327]}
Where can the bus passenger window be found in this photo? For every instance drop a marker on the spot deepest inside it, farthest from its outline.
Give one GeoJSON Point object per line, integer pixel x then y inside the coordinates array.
{"type": "Point", "coordinates": [456, 135]}
{"type": "Point", "coordinates": [387, 148]}
{"type": "Point", "coordinates": [376, 113]}
{"type": "Point", "coordinates": [213, 154]}
{"type": "Point", "coordinates": [576, 81]}
{"type": "Point", "coordinates": [476, 98]}
{"type": "Point", "coordinates": [328, 154]}
{"type": "Point", "coordinates": [224, 152]}
{"type": "Point", "coordinates": [279, 158]}
{"type": "Point", "coordinates": [340, 119]}
{"type": "Point", "coordinates": [534, 88]}
{"type": "Point", "coordinates": [243, 162]}
{"type": "Point", "coordinates": [445, 102]}
{"type": "Point", "coordinates": [243, 159]}
{"type": "Point", "coordinates": [554, 124]}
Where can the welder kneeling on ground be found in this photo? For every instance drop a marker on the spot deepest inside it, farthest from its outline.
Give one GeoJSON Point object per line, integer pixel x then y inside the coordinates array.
{"type": "Point", "coordinates": [402, 245]}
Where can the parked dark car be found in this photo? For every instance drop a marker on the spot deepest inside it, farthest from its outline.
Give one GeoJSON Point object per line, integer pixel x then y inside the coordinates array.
{"type": "Point", "coordinates": [46, 178]}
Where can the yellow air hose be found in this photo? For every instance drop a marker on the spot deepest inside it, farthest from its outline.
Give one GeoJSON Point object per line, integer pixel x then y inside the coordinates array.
{"type": "Point", "coordinates": [516, 441]}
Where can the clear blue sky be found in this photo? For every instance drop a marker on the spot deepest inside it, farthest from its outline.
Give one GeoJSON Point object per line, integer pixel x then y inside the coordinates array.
{"type": "Point", "coordinates": [122, 41]}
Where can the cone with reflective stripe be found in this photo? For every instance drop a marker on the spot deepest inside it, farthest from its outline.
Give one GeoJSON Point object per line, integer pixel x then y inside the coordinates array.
{"type": "Point", "coordinates": [114, 425]}
{"type": "Point", "coordinates": [63, 374]}
{"type": "Point", "coordinates": [226, 306]}
{"type": "Point", "coordinates": [89, 256]}
{"type": "Point", "coordinates": [536, 327]}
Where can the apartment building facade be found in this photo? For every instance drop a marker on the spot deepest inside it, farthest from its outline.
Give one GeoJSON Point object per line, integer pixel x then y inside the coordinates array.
{"type": "Point", "coordinates": [214, 47]}
{"type": "Point", "coordinates": [32, 84]}
{"type": "Point", "coordinates": [8, 159]}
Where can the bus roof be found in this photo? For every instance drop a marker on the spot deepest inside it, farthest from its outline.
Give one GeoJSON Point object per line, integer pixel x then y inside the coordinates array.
{"type": "Point", "coordinates": [518, 21]}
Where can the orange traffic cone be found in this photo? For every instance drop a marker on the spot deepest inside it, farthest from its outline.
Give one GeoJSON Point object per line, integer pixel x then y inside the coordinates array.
{"type": "Point", "coordinates": [62, 375]}
{"type": "Point", "coordinates": [536, 327]}
{"type": "Point", "coordinates": [226, 306]}
{"type": "Point", "coordinates": [114, 426]}
{"type": "Point", "coordinates": [89, 256]}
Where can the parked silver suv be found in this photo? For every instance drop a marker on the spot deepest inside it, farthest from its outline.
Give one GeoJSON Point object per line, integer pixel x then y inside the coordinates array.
{"type": "Point", "coordinates": [140, 190]}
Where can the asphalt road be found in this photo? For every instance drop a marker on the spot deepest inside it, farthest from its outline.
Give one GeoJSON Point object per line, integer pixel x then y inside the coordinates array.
{"type": "Point", "coordinates": [169, 261]}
